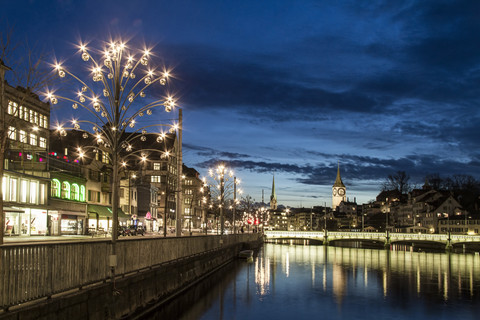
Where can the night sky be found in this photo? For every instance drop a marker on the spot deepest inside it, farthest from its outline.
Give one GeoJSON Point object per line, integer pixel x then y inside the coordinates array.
{"type": "Point", "coordinates": [291, 88]}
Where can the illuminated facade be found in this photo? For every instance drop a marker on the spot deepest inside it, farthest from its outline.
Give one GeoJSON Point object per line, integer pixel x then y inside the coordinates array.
{"type": "Point", "coordinates": [25, 179]}
{"type": "Point", "coordinates": [339, 191]}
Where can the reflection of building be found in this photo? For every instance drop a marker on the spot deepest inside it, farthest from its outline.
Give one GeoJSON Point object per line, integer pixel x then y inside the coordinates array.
{"type": "Point", "coordinates": [25, 178]}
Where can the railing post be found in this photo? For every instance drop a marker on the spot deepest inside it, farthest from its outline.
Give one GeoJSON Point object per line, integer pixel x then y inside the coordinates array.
{"type": "Point", "coordinates": [325, 237]}
{"type": "Point", "coordinates": [448, 246]}
{"type": "Point", "coordinates": [387, 240]}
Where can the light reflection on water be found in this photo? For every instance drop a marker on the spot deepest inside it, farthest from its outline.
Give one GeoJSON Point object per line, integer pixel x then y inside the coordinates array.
{"type": "Point", "coordinates": [302, 282]}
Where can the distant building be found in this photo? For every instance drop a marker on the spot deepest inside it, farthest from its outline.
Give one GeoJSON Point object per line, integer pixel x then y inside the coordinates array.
{"type": "Point", "coordinates": [273, 197]}
{"type": "Point", "coordinates": [339, 191]}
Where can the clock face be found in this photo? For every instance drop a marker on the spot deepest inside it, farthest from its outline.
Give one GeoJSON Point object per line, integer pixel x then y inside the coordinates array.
{"type": "Point", "coordinates": [341, 192]}
{"type": "Point", "coordinates": [334, 192]}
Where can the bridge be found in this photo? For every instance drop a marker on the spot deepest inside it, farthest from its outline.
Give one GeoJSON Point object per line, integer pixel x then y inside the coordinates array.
{"type": "Point", "coordinates": [386, 237]}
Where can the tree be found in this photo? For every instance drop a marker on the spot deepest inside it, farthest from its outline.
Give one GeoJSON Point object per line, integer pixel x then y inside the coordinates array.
{"type": "Point", "coordinates": [397, 181]}
{"type": "Point", "coordinates": [22, 65]}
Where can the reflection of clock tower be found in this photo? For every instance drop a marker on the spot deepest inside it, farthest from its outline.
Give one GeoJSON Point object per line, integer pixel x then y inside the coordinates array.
{"type": "Point", "coordinates": [338, 191]}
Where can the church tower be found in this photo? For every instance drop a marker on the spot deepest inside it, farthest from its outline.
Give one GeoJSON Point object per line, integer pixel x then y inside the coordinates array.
{"type": "Point", "coordinates": [338, 191]}
{"type": "Point", "coordinates": [273, 197]}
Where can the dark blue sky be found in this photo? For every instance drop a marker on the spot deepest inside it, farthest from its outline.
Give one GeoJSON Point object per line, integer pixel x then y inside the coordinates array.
{"type": "Point", "coordinates": [292, 87]}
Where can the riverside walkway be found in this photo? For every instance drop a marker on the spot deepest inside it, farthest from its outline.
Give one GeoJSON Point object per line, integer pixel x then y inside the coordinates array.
{"type": "Point", "coordinates": [37, 270]}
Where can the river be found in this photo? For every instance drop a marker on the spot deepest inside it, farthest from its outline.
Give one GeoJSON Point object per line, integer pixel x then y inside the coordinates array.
{"type": "Point", "coordinates": [308, 281]}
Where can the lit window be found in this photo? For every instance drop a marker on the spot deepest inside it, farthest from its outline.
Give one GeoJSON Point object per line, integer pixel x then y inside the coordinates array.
{"type": "Point", "coordinates": [157, 166]}
{"type": "Point", "coordinates": [22, 136]}
{"type": "Point", "coordinates": [43, 142]}
{"type": "Point", "coordinates": [4, 186]}
{"type": "Point", "coordinates": [23, 191]}
{"type": "Point", "coordinates": [31, 116]}
{"type": "Point", "coordinates": [12, 108]}
{"type": "Point", "coordinates": [55, 188]}
{"type": "Point", "coordinates": [33, 191]}
{"type": "Point", "coordinates": [13, 190]}
{"type": "Point", "coordinates": [12, 133]}
{"type": "Point", "coordinates": [155, 179]}
{"type": "Point", "coordinates": [20, 114]}
{"type": "Point", "coordinates": [33, 139]}
{"type": "Point", "coordinates": [65, 190]}
{"type": "Point", "coordinates": [82, 193]}
{"type": "Point", "coordinates": [187, 211]}
{"type": "Point", "coordinates": [75, 192]}
{"type": "Point", "coordinates": [26, 114]}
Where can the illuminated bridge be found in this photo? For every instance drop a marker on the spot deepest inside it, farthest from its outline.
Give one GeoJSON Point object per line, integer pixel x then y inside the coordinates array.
{"type": "Point", "coordinates": [386, 237]}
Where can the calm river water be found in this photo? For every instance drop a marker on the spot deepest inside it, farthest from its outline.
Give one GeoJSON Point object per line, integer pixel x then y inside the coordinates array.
{"type": "Point", "coordinates": [305, 282]}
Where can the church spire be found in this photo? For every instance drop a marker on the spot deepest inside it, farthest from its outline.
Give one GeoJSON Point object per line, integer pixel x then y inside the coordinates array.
{"type": "Point", "coordinates": [338, 180]}
{"type": "Point", "coordinates": [273, 196]}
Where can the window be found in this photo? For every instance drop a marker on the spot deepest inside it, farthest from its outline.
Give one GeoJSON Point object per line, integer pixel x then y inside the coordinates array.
{"type": "Point", "coordinates": [188, 200]}
{"type": "Point", "coordinates": [35, 119]}
{"type": "Point", "coordinates": [157, 166]}
{"type": "Point", "coordinates": [65, 190]}
{"type": "Point", "coordinates": [33, 139]}
{"type": "Point", "coordinates": [105, 157]}
{"type": "Point", "coordinates": [25, 114]}
{"type": "Point", "coordinates": [82, 193]}
{"type": "Point", "coordinates": [43, 142]}
{"type": "Point", "coordinates": [31, 116]}
{"type": "Point", "coordinates": [12, 108]}
{"type": "Point", "coordinates": [188, 182]}
{"type": "Point", "coordinates": [41, 195]}
{"type": "Point", "coordinates": [75, 192]}
{"type": "Point", "coordinates": [4, 187]}
{"type": "Point", "coordinates": [189, 191]}
{"type": "Point", "coordinates": [23, 191]}
{"type": "Point", "coordinates": [45, 122]}
{"type": "Point", "coordinates": [13, 190]}
{"type": "Point", "coordinates": [33, 191]}
{"type": "Point", "coordinates": [188, 211]}
{"type": "Point", "coordinates": [55, 192]}
{"type": "Point", "coordinates": [12, 133]}
{"type": "Point", "coordinates": [155, 179]}
{"type": "Point", "coordinates": [20, 113]}
{"type": "Point", "coordinates": [89, 194]}
{"type": "Point", "coordinates": [22, 136]}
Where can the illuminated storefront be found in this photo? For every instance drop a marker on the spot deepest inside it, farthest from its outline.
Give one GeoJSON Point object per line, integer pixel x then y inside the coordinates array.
{"type": "Point", "coordinates": [101, 217]}
{"type": "Point", "coordinates": [24, 205]}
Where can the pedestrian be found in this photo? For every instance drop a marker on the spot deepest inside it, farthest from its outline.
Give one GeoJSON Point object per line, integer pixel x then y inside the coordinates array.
{"type": "Point", "coordinates": [241, 229]}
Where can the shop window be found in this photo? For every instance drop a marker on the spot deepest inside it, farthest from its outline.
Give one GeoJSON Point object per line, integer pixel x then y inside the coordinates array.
{"type": "Point", "coordinates": [65, 190]}
{"type": "Point", "coordinates": [75, 192]}
{"type": "Point", "coordinates": [55, 192]}
{"type": "Point", "coordinates": [82, 193]}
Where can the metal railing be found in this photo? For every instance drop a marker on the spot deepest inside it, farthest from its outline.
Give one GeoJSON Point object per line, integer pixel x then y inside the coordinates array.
{"type": "Point", "coordinates": [32, 271]}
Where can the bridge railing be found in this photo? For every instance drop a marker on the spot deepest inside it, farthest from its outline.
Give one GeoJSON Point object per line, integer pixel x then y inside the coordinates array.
{"type": "Point", "coordinates": [31, 271]}
{"type": "Point", "coordinates": [336, 235]}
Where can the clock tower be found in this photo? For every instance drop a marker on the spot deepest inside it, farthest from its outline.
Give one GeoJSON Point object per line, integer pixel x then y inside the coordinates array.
{"type": "Point", "coordinates": [273, 197]}
{"type": "Point", "coordinates": [338, 191]}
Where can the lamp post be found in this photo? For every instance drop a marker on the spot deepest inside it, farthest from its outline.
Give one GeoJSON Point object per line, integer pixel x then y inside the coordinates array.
{"type": "Point", "coordinates": [111, 113]}
{"type": "Point", "coordinates": [222, 185]}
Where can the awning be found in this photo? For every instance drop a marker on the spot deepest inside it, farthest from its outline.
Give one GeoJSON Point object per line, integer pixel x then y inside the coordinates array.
{"type": "Point", "coordinates": [95, 210]}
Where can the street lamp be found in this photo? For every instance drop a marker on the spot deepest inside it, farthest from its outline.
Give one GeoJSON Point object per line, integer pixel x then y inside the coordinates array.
{"type": "Point", "coordinates": [222, 185]}
{"type": "Point", "coordinates": [113, 107]}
